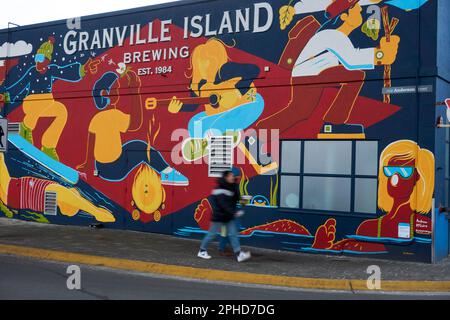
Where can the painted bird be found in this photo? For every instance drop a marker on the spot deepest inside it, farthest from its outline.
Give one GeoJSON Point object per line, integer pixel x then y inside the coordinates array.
{"type": "Point", "coordinates": [407, 5]}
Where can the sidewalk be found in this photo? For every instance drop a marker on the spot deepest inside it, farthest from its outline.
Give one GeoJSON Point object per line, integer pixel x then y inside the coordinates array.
{"type": "Point", "coordinates": [174, 256]}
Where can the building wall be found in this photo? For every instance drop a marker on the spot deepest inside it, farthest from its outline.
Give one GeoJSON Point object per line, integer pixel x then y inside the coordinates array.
{"type": "Point", "coordinates": [118, 131]}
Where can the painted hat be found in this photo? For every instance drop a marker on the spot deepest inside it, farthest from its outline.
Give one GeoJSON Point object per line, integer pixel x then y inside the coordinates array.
{"type": "Point", "coordinates": [105, 83]}
{"type": "Point", "coordinates": [236, 171]}
{"type": "Point", "coordinates": [47, 48]}
{"type": "Point", "coordinates": [338, 7]}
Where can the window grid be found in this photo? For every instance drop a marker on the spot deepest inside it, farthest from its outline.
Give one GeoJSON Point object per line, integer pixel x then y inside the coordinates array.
{"type": "Point", "coordinates": [353, 176]}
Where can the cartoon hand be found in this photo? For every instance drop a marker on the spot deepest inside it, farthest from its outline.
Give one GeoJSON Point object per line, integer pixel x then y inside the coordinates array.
{"type": "Point", "coordinates": [325, 235]}
{"type": "Point", "coordinates": [175, 105]}
{"type": "Point", "coordinates": [286, 16]}
{"type": "Point", "coordinates": [92, 65]}
{"type": "Point", "coordinates": [83, 175]}
{"type": "Point", "coordinates": [203, 214]}
{"type": "Point", "coordinates": [388, 50]}
{"type": "Point", "coordinates": [82, 166]}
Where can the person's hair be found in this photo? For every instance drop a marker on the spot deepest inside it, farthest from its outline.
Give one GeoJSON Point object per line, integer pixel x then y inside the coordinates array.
{"type": "Point", "coordinates": [221, 181]}
{"type": "Point", "coordinates": [421, 197]}
{"type": "Point", "coordinates": [226, 173]}
{"type": "Point", "coordinates": [214, 51]}
{"type": "Point", "coordinates": [147, 191]}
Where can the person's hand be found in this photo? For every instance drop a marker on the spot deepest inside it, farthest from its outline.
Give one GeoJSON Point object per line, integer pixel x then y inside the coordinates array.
{"type": "Point", "coordinates": [91, 65]}
{"type": "Point", "coordinates": [388, 50]}
{"type": "Point", "coordinates": [82, 175]}
{"type": "Point", "coordinates": [175, 105]}
{"type": "Point", "coordinates": [239, 214]}
{"type": "Point", "coordinates": [286, 16]}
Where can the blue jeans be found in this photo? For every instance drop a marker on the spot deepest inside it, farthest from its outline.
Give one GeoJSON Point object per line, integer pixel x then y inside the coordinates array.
{"type": "Point", "coordinates": [224, 241]}
{"type": "Point", "coordinates": [232, 234]}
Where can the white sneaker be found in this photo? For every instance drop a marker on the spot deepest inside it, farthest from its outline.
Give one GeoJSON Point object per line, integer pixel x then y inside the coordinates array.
{"type": "Point", "coordinates": [203, 255]}
{"type": "Point", "coordinates": [243, 256]}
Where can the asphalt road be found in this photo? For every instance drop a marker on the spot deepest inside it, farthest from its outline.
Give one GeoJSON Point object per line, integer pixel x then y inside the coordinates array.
{"type": "Point", "coordinates": [25, 278]}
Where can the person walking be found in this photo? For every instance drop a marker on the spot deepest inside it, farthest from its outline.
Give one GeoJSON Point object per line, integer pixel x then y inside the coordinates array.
{"type": "Point", "coordinates": [224, 200]}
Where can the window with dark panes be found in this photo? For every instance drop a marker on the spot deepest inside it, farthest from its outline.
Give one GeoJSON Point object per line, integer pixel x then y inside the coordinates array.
{"type": "Point", "coordinates": [323, 175]}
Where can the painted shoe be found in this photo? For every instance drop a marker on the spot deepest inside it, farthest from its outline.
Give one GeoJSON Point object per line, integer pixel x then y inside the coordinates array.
{"type": "Point", "coordinates": [342, 131]}
{"type": "Point", "coordinates": [204, 255]}
{"type": "Point", "coordinates": [172, 177]}
{"type": "Point", "coordinates": [26, 133]}
{"type": "Point", "coordinates": [51, 152]}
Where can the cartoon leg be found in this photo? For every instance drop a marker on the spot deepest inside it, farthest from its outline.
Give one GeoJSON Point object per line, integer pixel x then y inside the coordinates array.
{"type": "Point", "coordinates": [4, 179]}
{"type": "Point", "coordinates": [51, 136]}
{"type": "Point", "coordinates": [70, 202]}
{"type": "Point", "coordinates": [31, 108]}
{"type": "Point", "coordinates": [369, 228]}
{"type": "Point", "coordinates": [36, 109]}
{"type": "Point", "coordinates": [342, 106]}
{"type": "Point", "coordinates": [143, 153]}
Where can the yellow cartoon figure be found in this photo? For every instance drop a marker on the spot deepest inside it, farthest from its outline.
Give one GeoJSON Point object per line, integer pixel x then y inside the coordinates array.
{"type": "Point", "coordinates": [29, 193]}
{"type": "Point", "coordinates": [35, 88]}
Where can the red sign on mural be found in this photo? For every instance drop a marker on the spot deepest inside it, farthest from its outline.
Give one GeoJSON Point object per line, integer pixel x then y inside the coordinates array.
{"type": "Point", "coordinates": [423, 225]}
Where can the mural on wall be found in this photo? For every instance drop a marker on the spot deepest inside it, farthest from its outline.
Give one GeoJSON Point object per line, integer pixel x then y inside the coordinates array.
{"type": "Point", "coordinates": [405, 191]}
{"type": "Point", "coordinates": [96, 111]}
{"type": "Point", "coordinates": [322, 54]}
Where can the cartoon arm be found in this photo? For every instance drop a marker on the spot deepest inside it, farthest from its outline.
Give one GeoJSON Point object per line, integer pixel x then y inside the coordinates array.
{"type": "Point", "coordinates": [177, 105]}
{"type": "Point", "coordinates": [20, 89]}
{"type": "Point", "coordinates": [351, 58]}
{"type": "Point", "coordinates": [87, 164]}
{"type": "Point", "coordinates": [136, 114]}
{"type": "Point", "coordinates": [386, 54]}
{"type": "Point", "coordinates": [73, 72]}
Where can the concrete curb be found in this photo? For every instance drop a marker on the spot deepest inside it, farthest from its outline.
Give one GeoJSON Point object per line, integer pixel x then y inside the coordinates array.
{"type": "Point", "coordinates": [221, 275]}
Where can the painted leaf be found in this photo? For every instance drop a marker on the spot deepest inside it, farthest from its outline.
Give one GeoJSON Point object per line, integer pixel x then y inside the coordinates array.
{"type": "Point", "coordinates": [371, 28]}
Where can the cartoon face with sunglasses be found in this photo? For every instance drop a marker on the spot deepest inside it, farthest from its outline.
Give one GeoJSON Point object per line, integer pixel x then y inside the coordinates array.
{"type": "Point", "coordinates": [41, 63]}
{"type": "Point", "coordinates": [402, 177]}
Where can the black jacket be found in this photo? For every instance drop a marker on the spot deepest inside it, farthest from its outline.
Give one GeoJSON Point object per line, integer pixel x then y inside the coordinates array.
{"type": "Point", "coordinates": [224, 200]}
